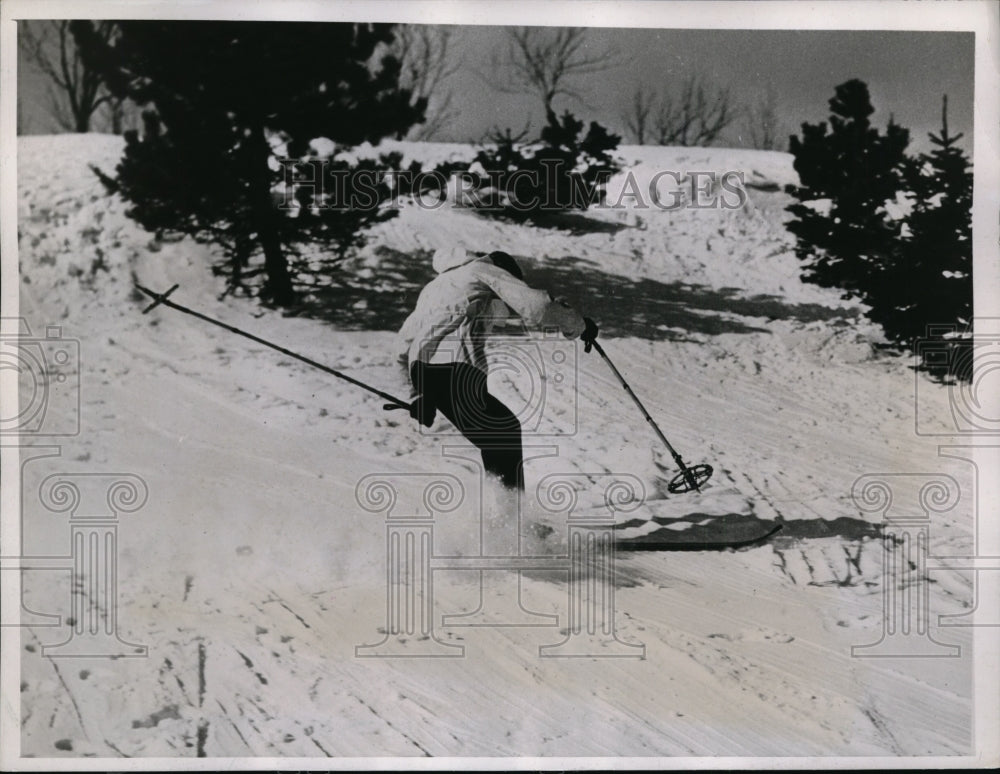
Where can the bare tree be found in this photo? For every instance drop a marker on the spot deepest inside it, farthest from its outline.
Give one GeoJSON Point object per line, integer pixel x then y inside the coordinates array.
{"type": "Point", "coordinates": [546, 61]}
{"type": "Point", "coordinates": [427, 63]}
{"type": "Point", "coordinates": [638, 115]}
{"type": "Point", "coordinates": [75, 91]}
{"type": "Point", "coordinates": [763, 124]}
{"type": "Point", "coordinates": [696, 116]}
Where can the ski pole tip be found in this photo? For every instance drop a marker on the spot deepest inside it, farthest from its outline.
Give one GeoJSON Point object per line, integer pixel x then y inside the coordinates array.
{"type": "Point", "coordinates": [159, 297]}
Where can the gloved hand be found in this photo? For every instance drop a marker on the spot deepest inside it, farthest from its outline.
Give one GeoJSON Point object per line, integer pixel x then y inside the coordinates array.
{"type": "Point", "coordinates": [589, 334]}
{"type": "Point", "coordinates": [423, 411]}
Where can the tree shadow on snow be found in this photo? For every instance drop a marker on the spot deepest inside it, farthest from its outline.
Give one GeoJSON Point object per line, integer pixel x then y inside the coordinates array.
{"type": "Point", "coordinates": [654, 310]}
{"type": "Point", "coordinates": [642, 307]}
{"type": "Point", "coordinates": [377, 298]}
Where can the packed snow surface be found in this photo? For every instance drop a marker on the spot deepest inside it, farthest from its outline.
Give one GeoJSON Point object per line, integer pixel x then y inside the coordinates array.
{"type": "Point", "coordinates": [252, 572]}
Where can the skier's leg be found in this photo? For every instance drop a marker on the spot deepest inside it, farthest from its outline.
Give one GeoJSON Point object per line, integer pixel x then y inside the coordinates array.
{"type": "Point", "coordinates": [434, 383]}
{"type": "Point", "coordinates": [487, 423]}
{"type": "Point", "coordinates": [501, 446]}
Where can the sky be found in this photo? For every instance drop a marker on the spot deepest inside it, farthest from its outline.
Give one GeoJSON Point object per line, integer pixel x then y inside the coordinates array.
{"type": "Point", "coordinates": [907, 74]}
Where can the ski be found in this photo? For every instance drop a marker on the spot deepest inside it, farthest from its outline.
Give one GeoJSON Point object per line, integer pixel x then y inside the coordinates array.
{"type": "Point", "coordinates": [659, 544]}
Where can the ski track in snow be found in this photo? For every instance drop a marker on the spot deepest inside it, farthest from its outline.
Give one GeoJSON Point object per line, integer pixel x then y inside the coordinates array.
{"type": "Point", "coordinates": [251, 574]}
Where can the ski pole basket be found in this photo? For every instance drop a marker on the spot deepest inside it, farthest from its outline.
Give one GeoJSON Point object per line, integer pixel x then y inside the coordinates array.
{"type": "Point", "coordinates": [690, 477]}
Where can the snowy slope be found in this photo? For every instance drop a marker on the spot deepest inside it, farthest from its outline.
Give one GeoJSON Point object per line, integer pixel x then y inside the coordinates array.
{"type": "Point", "coordinates": [252, 573]}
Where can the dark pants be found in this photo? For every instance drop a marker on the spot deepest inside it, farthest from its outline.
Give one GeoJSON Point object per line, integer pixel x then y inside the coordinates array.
{"type": "Point", "coordinates": [459, 391]}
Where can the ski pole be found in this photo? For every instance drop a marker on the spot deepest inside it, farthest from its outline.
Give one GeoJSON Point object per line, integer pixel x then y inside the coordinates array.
{"type": "Point", "coordinates": [161, 298]}
{"type": "Point", "coordinates": [690, 477]}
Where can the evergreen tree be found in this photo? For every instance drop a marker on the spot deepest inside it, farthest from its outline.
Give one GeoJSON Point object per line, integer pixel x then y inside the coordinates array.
{"type": "Point", "coordinates": [581, 162]}
{"type": "Point", "coordinates": [564, 170]}
{"type": "Point", "coordinates": [854, 170]}
{"type": "Point", "coordinates": [934, 261]}
{"type": "Point", "coordinates": [914, 271]}
{"type": "Point", "coordinates": [219, 94]}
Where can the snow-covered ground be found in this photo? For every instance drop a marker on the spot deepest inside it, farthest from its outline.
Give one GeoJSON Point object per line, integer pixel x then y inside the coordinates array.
{"type": "Point", "coordinates": [252, 572]}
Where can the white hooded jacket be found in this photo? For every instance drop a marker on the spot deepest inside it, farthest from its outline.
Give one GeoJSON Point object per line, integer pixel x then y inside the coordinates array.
{"type": "Point", "coordinates": [457, 309]}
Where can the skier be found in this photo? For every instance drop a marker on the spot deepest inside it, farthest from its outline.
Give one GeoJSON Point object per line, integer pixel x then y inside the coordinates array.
{"type": "Point", "coordinates": [441, 349]}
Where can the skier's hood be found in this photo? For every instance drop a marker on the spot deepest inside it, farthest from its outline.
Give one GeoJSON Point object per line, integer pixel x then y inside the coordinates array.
{"type": "Point", "coordinates": [446, 258]}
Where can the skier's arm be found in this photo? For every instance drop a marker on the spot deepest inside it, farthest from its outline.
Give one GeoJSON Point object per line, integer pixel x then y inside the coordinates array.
{"type": "Point", "coordinates": [536, 307]}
